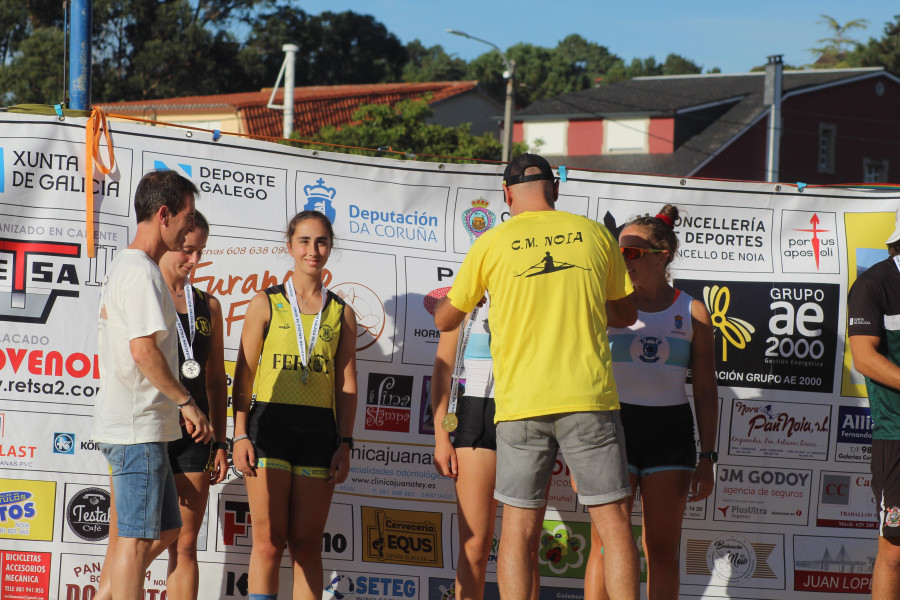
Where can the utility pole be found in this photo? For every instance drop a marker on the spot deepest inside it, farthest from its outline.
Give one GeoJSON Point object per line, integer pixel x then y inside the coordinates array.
{"type": "Point", "coordinates": [772, 98]}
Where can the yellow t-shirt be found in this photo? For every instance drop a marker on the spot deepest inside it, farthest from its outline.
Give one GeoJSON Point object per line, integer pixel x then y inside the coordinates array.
{"type": "Point", "coordinates": [549, 275]}
{"type": "Point", "coordinates": [279, 376]}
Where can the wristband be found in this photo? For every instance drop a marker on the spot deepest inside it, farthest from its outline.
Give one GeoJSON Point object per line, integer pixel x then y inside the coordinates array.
{"type": "Point", "coordinates": [237, 439]}
{"type": "Point", "coordinates": [346, 440]}
{"type": "Point", "coordinates": [186, 402]}
{"type": "Point", "coordinates": [220, 446]}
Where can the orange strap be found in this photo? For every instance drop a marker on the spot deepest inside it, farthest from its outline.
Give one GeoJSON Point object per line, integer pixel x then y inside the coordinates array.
{"type": "Point", "coordinates": [95, 123]}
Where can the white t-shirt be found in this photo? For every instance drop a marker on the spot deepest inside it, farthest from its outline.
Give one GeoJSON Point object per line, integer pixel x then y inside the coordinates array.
{"type": "Point", "coordinates": [129, 409]}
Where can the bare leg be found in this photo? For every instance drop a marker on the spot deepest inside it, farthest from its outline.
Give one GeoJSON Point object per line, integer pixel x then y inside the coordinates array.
{"type": "Point", "coordinates": [613, 523]}
{"type": "Point", "coordinates": [886, 576]}
{"type": "Point", "coordinates": [184, 574]}
{"type": "Point", "coordinates": [517, 560]}
{"type": "Point", "coordinates": [310, 501]}
{"type": "Point", "coordinates": [477, 511]}
{"type": "Point", "coordinates": [594, 582]}
{"type": "Point", "coordinates": [269, 497]}
{"type": "Point", "coordinates": [130, 562]}
{"type": "Point", "coordinates": [663, 496]}
{"type": "Point", "coordinates": [104, 588]}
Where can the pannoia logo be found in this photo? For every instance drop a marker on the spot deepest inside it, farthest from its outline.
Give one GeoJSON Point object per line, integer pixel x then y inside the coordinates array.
{"type": "Point", "coordinates": [21, 305]}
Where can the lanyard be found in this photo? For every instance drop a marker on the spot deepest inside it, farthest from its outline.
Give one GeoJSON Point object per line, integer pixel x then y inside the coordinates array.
{"type": "Point", "coordinates": [298, 326]}
{"type": "Point", "coordinates": [897, 261]}
{"type": "Point", "coordinates": [458, 367]}
{"type": "Point", "coordinates": [187, 346]}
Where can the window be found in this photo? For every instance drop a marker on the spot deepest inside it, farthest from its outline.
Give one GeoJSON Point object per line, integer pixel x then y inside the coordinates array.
{"type": "Point", "coordinates": [626, 136]}
{"type": "Point", "coordinates": [827, 139]}
{"type": "Point", "coordinates": [549, 137]}
{"type": "Point", "coordinates": [875, 171]}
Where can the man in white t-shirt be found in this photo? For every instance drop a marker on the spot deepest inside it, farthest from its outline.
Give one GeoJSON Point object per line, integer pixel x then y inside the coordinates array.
{"type": "Point", "coordinates": [137, 410]}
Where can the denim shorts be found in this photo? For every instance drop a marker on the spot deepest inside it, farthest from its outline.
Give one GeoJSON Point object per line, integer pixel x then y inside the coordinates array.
{"type": "Point", "coordinates": [592, 444]}
{"type": "Point", "coordinates": [146, 498]}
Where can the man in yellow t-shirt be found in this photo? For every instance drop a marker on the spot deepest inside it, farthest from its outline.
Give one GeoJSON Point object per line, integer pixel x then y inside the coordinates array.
{"type": "Point", "coordinates": [556, 280]}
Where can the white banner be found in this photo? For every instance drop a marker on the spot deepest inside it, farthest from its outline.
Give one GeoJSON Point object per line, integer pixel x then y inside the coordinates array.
{"type": "Point", "coordinates": [792, 511]}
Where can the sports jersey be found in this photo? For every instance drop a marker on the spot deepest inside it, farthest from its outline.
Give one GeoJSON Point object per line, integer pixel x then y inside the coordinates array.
{"type": "Point", "coordinates": [549, 274]}
{"type": "Point", "coordinates": [202, 342]}
{"type": "Point", "coordinates": [279, 376]}
{"type": "Point", "coordinates": [478, 367]}
{"type": "Point", "coordinates": [874, 309]}
{"type": "Point", "coordinates": [650, 359]}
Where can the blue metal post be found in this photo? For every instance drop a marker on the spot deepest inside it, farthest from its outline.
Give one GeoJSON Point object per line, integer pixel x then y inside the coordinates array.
{"type": "Point", "coordinates": [80, 55]}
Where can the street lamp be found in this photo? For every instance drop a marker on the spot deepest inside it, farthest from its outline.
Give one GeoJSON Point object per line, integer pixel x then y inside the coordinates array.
{"type": "Point", "coordinates": [509, 75]}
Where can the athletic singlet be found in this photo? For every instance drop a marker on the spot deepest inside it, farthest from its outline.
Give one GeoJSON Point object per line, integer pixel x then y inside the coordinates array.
{"type": "Point", "coordinates": [203, 322]}
{"type": "Point", "coordinates": [478, 367]}
{"type": "Point", "coordinates": [279, 376]}
{"type": "Point", "coordinates": [650, 359]}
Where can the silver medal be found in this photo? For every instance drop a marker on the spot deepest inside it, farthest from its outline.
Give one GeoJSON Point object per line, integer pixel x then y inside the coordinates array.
{"type": "Point", "coordinates": [190, 369]}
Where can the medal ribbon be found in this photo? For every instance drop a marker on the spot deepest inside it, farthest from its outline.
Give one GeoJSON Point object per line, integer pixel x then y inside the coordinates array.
{"type": "Point", "coordinates": [457, 368]}
{"type": "Point", "coordinates": [187, 346]}
{"type": "Point", "coordinates": [897, 261]}
{"type": "Point", "coordinates": [298, 324]}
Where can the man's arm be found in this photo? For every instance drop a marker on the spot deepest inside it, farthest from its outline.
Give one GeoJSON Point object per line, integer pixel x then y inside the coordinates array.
{"type": "Point", "coordinates": [620, 313]}
{"type": "Point", "coordinates": [447, 317]}
{"type": "Point", "coordinates": [871, 363]}
{"type": "Point", "coordinates": [154, 366]}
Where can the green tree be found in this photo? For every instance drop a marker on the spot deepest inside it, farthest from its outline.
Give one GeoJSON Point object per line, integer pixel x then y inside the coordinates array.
{"type": "Point", "coordinates": [883, 52]}
{"type": "Point", "coordinates": [834, 53]}
{"type": "Point", "coordinates": [404, 128]}
{"type": "Point", "coordinates": [35, 73]}
{"type": "Point", "coordinates": [431, 64]}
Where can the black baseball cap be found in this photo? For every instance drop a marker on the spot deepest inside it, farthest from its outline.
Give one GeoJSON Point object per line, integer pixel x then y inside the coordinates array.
{"type": "Point", "coordinates": [515, 170]}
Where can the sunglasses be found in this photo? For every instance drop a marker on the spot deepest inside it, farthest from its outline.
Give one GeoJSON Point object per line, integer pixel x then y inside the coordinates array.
{"type": "Point", "coordinates": [632, 253]}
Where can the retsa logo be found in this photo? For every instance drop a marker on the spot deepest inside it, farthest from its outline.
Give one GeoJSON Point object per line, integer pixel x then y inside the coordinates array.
{"type": "Point", "coordinates": [22, 304]}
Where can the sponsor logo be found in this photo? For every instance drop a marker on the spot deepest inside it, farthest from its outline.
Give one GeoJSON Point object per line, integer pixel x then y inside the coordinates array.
{"type": "Point", "coordinates": [478, 219]}
{"type": "Point", "coordinates": [835, 489]}
{"type": "Point", "coordinates": [563, 548]}
{"type": "Point", "coordinates": [319, 197]}
{"type": "Point", "coordinates": [839, 565]}
{"type": "Point", "coordinates": [679, 322]}
{"type": "Point", "coordinates": [24, 575]}
{"type": "Point", "coordinates": [236, 523]}
{"type": "Point", "coordinates": [731, 558]}
{"type": "Point", "coordinates": [20, 305]}
{"type": "Point", "coordinates": [236, 584]}
{"type": "Point", "coordinates": [388, 402]}
{"type": "Point", "coordinates": [858, 321]}
{"type": "Point", "coordinates": [224, 181]}
{"type": "Point", "coordinates": [88, 514]}
{"type": "Point", "coordinates": [855, 425]}
{"type": "Point", "coordinates": [369, 309]}
{"type": "Point", "coordinates": [358, 586]}
{"type": "Point", "coordinates": [27, 509]}
{"type": "Point", "coordinates": [63, 443]}
{"type": "Point", "coordinates": [402, 537]}
{"type": "Point", "coordinates": [2, 424]}
{"type": "Point", "coordinates": [808, 242]}
{"type": "Point", "coordinates": [734, 331]}
{"type": "Point", "coordinates": [814, 242]}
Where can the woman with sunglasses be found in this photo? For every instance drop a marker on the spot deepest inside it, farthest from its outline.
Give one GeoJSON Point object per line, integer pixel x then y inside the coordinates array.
{"type": "Point", "coordinates": [673, 333]}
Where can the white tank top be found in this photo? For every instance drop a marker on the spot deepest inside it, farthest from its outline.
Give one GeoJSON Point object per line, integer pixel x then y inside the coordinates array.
{"type": "Point", "coordinates": [650, 359]}
{"type": "Point", "coordinates": [478, 367]}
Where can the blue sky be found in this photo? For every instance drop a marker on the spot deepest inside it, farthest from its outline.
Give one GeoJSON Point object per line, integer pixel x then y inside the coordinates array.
{"type": "Point", "coordinates": [732, 35]}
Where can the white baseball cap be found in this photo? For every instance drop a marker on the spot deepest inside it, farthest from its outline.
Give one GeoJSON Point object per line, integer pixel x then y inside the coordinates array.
{"type": "Point", "coordinates": [895, 237]}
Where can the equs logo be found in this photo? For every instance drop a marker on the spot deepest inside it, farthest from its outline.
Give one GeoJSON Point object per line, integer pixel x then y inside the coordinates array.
{"type": "Point", "coordinates": [19, 305]}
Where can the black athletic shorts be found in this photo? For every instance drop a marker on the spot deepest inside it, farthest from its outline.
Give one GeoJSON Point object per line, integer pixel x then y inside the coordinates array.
{"type": "Point", "coordinates": [295, 438]}
{"type": "Point", "coordinates": [476, 427]}
{"type": "Point", "coordinates": [187, 456]}
{"type": "Point", "coordinates": [886, 485]}
{"type": "Point", "coordinates": [659, 438]}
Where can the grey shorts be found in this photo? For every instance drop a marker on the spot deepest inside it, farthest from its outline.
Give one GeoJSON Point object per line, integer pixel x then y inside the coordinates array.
{"type": "Point", "coordinates": [592, 444]}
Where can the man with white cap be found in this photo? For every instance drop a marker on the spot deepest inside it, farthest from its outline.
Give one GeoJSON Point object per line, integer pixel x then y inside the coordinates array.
{"type": "Point", "coordinates": [874, 331]}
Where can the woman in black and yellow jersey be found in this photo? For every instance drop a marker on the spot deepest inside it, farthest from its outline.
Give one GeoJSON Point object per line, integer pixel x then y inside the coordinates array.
{"type": "Point", "coordinates": [293, 445]}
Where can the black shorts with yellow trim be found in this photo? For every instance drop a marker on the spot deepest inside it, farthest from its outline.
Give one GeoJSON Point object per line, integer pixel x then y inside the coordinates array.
{"type": "Point", "coordinates": [295, 438]}
{"type": "Point", "coordinates": [187, 456]}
